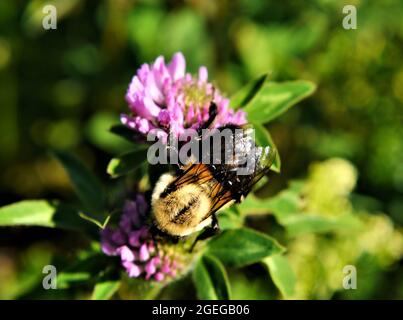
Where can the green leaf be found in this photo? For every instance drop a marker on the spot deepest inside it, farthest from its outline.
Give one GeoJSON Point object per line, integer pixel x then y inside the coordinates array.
{"type": "Point", "coordinates": [254, 205]}
{"type": "Point", "coordinates": [230, 219]}
{"type": "Point", "coordinates": [260, 184]}
{"type": "Point", "coordinates": [263, 139]}
{"type": "Point", "coordinates": [281, 273]}
{"type": "Point", "coordinates": [41, 213]}
{"type": "Point", "coordinates": [127, 162]}
{"type": "Point", "coordinates": [87, 187]}
{"type": "Point", "coordinates": [281, 205]}
{"type": "Point", "coordinates": [29, 277]}
{"type": "Point", "coordinates": [123, 132]}
{"type": "Point", "coordinates": [247, 92]}
{"type": "Point", "coordinates": [139, 288]}
{"type": "Point", "coordinates": [82, 271]}
{"type": "Point", "coordinates": [275, 98]}
{"type": "Point", "coordinates": [67, 279]}
{"type": "Point", "coordinates": [296, 186]}
{"type": "Point", "coordinates": [285, 204]}
{"type": "Point", "coordinates": [243, 246]}
{"type": "Point", "coordinates": [210, 279]}
{"type": "Point", "coordinates": [250, 286]}
{"type": "Point", "coordinates": [302, 223]}
{"type": "Point", "coordinates": [98, 133]}
{"type": "Point", "coordinates": [105, 290]}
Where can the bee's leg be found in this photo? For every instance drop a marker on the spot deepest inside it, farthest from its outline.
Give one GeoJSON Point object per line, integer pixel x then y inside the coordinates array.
{"type": "Point", "coordinates": [175, 240]}
{"type": "Point", "coordinates": [212, 112]}
{"type": "Point", "coordinates": [209, 232]}
{"type": "Point", "coordinates": [157, 248]}
{"type": "Point", "coordinates": [214, 224]}
{"type": "Point", "coordinates": [154, 240]}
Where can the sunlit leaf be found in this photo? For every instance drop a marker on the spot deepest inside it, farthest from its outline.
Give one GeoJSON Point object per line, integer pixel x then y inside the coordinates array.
{"type": "Point", "coordinates": [302, 223]}
{"type": "Point", "coordinates": [281, 205]}
{"type": "Point", "coordinates": [210, 279]}
{"type": "Point", "coordinates": [243, 246]}
{"type": "Point", "coordinates": [41, 213]}
{"type": "Point", "coordinates": [261, 183]}
{"type": "Point", "coordinates": [281, 273]}
{"type": "Point", "coordinates": [67, 279]}
{"type": "Point", "coordinates": [105, 290]}
{"type": "Point", "coordinates": [242, 97]}
{"type": "Point", "coordinates": [274, 98]}
{"type": "Point", "coordinates": [230, 219]}
{"type": "Point", "coordinates": [253, 205]}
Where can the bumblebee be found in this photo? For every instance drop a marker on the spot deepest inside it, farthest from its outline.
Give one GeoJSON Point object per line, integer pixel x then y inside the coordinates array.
{"type": "Point", "coordinates": [187, 201]}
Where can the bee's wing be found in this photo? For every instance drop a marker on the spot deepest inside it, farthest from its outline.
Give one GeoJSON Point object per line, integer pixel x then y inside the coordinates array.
{"type": "Point", "coordinates": [219, 198]}
{"type": "Point", "coordinates": [201, 175]}
{"type": "Point", "coordinates": [249, 164]}
{"type": "Point", "coordinates": [264, 159]}
{"type": "Point", "coordinates": [220, 195]}
{"type": "Point", "coordinates": [193, 173]}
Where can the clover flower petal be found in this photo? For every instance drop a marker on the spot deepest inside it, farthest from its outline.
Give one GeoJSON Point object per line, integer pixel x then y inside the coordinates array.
{"type": "Point", "coordinates": [133, 242]}
{"type": "Point", "coordinates": [166, 98]}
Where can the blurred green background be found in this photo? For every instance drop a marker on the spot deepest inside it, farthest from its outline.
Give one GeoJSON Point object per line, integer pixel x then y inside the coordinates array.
{"type": "Point", "coordinates": [64, 88]}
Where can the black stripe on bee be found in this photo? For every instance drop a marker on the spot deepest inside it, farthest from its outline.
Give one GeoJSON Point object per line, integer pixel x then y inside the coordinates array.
{"type": "Point", "coordinates": [180, 217]}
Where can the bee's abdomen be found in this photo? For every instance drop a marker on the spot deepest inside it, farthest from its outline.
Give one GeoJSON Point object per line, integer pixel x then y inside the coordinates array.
{"type": "Point", "coordinates": [182, 216]}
